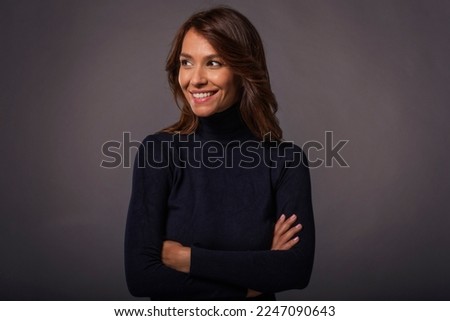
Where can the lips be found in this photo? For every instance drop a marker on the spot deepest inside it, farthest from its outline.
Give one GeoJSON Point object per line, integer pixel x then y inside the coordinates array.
{"type": "Point", "coordinates": [202, 97]}
{"type": "Point", "coordinates": [202, 94]}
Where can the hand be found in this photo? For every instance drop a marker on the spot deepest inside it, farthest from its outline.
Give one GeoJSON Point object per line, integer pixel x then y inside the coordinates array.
{"type": "Point", "coordinates": [252, 293]}
{"type": "Point", "coordinates": [176, 256]}
{"type": "Point", "coordinates": [282, 239]}
{"type": "Point", "coordinates": [283, 236]}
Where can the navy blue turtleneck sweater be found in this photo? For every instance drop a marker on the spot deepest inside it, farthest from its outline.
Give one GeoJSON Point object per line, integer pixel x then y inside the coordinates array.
{"type": "Point", "coordinates": [220, 192]}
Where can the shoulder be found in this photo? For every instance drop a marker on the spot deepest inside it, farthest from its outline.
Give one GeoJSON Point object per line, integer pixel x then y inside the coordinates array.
{"type": "Point", "coordinates": [158, 137]}
{"type": "Point", "coordinates": [154, 150]}
{"type": "Point", "coordinates": [291, 166]}
{"type": "Point", "coordinates": [289, 148]}
{"type": "Point", "coordinates": [157, 142]}
{"type": "Point", "coordinates": [286, 153]}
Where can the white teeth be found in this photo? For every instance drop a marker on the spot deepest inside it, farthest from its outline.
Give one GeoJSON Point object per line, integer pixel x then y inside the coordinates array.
{"type": "Point", "coordinates": [202, 95]}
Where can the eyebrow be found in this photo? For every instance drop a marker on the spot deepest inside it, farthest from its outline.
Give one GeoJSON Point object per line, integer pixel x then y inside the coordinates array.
{"type": "Point", "coordinates": [213, 56]}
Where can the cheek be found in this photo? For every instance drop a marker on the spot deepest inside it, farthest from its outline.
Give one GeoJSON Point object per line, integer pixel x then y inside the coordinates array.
{"type": "Point", "coordinates": [233, 85]}
{"type": "Point", "coordinates": [183, 80]}
{"type": "Point", "coordinates": [226, 81]}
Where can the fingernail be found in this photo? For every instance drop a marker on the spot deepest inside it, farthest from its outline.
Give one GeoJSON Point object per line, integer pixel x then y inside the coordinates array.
{"type": "Point", "coordinates": [283, 216]}
{"type": "Point", "coordinates": [298, 226]}
{"type": "Point", "coordinates": [293, 217]}
{"type": "Point", "coordinates": [296, 238]}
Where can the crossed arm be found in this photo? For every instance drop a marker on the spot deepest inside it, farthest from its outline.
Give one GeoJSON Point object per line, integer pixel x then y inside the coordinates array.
{"type": "Point", "coordinates": [178, 257]}
{"type": "Point", "coordinates": [163, 269]}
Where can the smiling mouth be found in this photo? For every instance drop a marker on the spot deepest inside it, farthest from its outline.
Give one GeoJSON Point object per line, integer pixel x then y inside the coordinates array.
{"type": "Point", "coordinates": [204, 94]}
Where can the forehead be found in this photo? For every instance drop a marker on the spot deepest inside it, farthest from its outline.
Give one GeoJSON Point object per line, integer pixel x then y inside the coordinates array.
{"type": "Point", "coordinates": [195, 44]}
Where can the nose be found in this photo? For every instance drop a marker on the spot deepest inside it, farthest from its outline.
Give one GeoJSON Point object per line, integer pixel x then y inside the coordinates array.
{"type": "Point", "coordinates": [199, 77]}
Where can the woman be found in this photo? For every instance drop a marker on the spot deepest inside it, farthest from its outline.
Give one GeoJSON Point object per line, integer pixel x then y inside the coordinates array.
{"type": "Point", "coordinates": [218, 198]}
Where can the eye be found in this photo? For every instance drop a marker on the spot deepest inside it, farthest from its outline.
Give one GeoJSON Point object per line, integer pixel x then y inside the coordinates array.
{"type": "Point", "coordinates": [215, 64]}
{"type": "Point", "coordinates": [185, 63]}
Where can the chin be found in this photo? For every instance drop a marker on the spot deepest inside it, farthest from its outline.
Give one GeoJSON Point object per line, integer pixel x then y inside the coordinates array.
{"type": "Point", "coordinates": [203, 111]}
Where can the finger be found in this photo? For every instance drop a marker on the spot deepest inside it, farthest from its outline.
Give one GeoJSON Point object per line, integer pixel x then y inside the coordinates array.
{"type": "Point", "coordinates": [279, 222]}
{"type": "Point", "coordinates": [290, 244]}
{"type": "Point", "coordinates": [289, 234]}
{"type": "Point", "coordinates": [286, 245]}
{"type": "Point", "coordinates": [280, 241]}
{"type": "Point", "coordinates": [286, 224]}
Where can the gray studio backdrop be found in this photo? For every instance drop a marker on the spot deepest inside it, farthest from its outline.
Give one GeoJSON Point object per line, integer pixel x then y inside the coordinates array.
{"type": "Point", "coordinates": [76, 74]}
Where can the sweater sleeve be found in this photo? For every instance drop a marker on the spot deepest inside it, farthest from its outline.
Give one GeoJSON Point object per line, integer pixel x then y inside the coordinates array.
{"type": "Point", "coordinates": [270, 271]}
{"type": "Point", "coordinates": [146, 275]}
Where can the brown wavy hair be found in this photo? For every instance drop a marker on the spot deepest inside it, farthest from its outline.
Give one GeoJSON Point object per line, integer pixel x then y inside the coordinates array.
{"type": "Point", "coordinates": [237, 41]}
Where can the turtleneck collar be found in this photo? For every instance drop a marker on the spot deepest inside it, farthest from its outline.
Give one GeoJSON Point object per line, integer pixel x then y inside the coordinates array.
{"type": "Point", "coordinates": [225, 125]}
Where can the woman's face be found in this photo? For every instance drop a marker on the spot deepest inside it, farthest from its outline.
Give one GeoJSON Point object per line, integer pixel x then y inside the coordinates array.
{"type": "Point", "coordinates": [208, 84]}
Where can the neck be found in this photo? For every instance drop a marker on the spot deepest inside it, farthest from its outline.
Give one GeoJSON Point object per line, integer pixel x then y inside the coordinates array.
{"type": "Point", "coordinates": [225, 125]}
